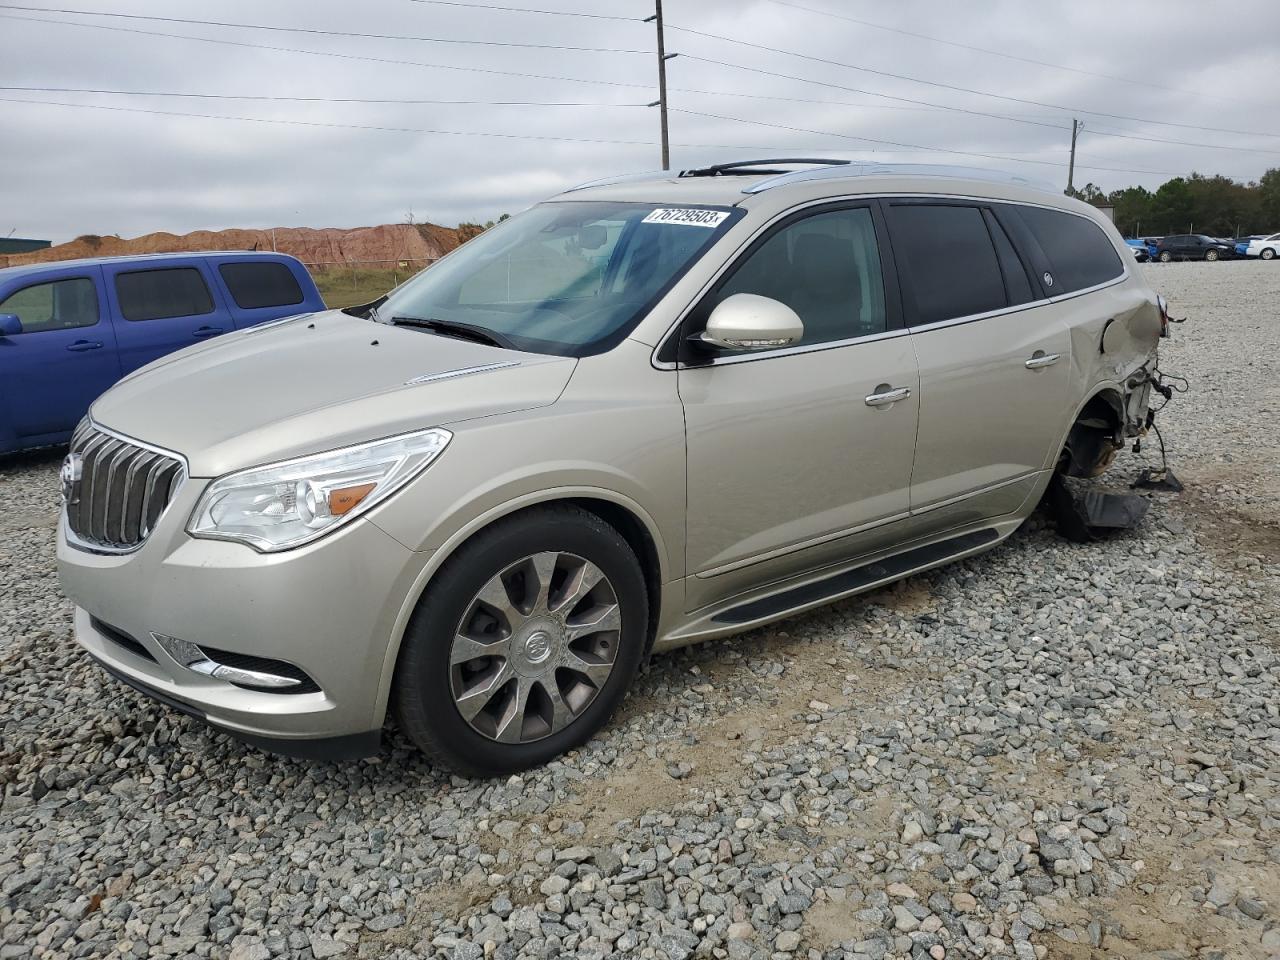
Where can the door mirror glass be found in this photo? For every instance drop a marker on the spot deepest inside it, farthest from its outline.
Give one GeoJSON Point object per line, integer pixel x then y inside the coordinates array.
{"type": "Point", "coordinates": [10, 325]}
{"type": "Point", "coordinates": [748, 321]}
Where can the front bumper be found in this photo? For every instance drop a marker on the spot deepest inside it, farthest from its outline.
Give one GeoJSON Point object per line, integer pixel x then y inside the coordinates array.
{"type": "Point", "coordinates": [329, 608]}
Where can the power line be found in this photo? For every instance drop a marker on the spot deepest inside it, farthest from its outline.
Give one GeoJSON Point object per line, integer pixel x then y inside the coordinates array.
{"type": "Point", "coordinates": [370, 100]}
{"type": "Point", "coordinates": [997, 53]}
{"type": "Point", "coordinates": [913, 146]}
{"type": "Point", "coordinates": [549, 13]}
{"type": "Point", "coordinates": [317, 31]}
{"type": "Point", "coordinates": [323, 123]}
{"type": "Point", "coordinates": [391, 129]}
{"type": "Point", "coordinates": [327, 53]}
{"type": "Point", "coordinates": [934, 83]}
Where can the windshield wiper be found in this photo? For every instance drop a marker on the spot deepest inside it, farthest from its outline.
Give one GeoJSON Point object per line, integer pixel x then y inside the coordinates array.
{"type": "Point", "coordinates": [451, 328]}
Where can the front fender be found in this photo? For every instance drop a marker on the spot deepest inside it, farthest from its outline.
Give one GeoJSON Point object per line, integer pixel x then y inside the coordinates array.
{"type": "Point", "coordinates": [463, 531]}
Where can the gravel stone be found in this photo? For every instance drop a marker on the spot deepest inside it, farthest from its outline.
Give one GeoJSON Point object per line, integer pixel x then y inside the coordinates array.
{"type": "Point", "coordinates": [993, 759]}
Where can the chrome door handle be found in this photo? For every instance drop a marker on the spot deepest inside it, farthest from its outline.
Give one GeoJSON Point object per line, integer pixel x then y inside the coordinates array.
{"type": "Point", "coordinates": [888, 396]}
{"type": "Point", "coordinates": [1040, 359]}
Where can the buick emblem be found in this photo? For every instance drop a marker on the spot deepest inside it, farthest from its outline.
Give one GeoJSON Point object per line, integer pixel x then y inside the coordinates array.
{"type": "Point", "coordinates": [69, 478]}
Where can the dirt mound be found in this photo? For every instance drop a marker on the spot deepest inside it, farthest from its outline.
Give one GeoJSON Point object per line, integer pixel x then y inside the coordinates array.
{"type": "Point", "coordinates": [386, 245]}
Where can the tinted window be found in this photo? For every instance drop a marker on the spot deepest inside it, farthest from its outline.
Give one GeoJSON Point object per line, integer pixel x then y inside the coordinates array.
{"type": "Point", "coordinates": [1078, 251]}
{"type": "Point", "coordinates": [948, 259]}
{"type": "Point", "coordinates": [157, 294]}
{"type": "Point", "coordinates": [826, 268]}
{"type": "Point", "coordinates": [1015, 274]}
{"type": "Point", "coordinates": [57, 305]}
{"type": "Point", "coordinates": [256, 285]}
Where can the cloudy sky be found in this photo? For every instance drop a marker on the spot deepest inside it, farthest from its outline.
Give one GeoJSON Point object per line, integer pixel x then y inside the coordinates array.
{"type": "Point", "coordinates": [556, 99]}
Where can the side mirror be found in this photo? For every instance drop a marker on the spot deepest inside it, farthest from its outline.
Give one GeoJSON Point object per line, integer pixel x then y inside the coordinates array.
{"type": "Point", "coordinates": [747, 321]}
{"type": "Point", "coordinates": [10, 325]}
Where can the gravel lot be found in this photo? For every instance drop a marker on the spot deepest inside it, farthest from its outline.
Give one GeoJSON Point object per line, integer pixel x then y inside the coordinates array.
{"type": "Point", "coordinates": [1051, 750]}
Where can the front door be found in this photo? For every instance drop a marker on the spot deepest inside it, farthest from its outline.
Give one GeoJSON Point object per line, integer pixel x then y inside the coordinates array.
{"type": "Point", "coordinates": [62, 360]}
{"type": "Point", "coordinates": [993, 370]}
{"type": "Point", "coordinates": [795, 459]}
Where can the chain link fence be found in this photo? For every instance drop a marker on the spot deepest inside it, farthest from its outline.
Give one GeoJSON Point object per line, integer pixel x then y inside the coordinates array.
{"type": "Point", "coordinates": [345, 283]}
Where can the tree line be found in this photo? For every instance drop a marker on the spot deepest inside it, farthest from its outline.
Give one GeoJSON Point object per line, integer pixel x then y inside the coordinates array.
{"type": "Point", "coordinates": [1213, 205]}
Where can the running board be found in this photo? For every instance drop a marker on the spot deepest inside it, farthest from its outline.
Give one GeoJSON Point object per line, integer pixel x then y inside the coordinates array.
{"type": "Point", "coordinates": [890, 568]}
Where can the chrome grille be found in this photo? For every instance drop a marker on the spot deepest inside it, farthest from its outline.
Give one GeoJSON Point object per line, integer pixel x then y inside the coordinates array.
{"type": "Point", "coordinates": [122, 489]}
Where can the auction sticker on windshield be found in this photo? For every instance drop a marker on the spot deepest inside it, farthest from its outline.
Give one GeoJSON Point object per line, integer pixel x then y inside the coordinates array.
{"type": "Point", "coordinates": [687, 217]}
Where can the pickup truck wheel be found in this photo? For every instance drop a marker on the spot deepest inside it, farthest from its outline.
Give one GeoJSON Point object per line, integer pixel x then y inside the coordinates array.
{"type": "Point", "coordinates": [1268, 254]}
{"type": "Point", "coordinates": [1165, 256]}
{"type": "Point", "coordinates": [1211, 255]}
{"type": "Point", "coordinates": [524, 643]}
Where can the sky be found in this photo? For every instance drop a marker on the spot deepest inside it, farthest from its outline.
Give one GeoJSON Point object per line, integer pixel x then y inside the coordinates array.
{"type": "Point", "coordinates": [850, 79]}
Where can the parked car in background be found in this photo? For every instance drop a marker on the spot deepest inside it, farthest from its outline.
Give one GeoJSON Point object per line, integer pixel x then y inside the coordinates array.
{"type": "Point", "coordinates": [1268, 248]}
{"type": "Point", "coordinates": [1242, 244]}
{"type": "Point", "coordinates": [1140, 251]}
{"type": "Point", "coordinates": [650, 411]}
{"type": "Point", "coordinates": [70, 329]}
{"type": "Point", "coordinates": [1193, 246]}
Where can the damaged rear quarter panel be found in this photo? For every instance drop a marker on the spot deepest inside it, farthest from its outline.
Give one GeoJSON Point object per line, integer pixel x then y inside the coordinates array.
{"type": "Point", "coordinates": [1114, 332]}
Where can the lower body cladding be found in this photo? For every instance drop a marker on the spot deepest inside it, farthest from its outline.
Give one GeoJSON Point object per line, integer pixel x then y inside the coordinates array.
{"type": "Point", "coordinates": [286, 651]}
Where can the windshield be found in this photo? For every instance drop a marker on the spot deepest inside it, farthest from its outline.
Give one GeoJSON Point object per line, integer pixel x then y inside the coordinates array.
{"type": "Point", "coordinates": [567, 278]}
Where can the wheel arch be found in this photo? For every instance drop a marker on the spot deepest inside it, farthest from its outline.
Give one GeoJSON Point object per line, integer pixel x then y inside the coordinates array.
{"type": "Point", "coordinates": [1094, 434]}
{"type": "Point", "coordinates": [633, 523]}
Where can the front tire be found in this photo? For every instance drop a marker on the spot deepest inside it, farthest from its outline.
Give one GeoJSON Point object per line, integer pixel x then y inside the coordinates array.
{"type": "Point", "coordinates": [524, 643]}
{"type": "Point", "coordinates": [1211, 255]}
{"type": "Point", "coordinates": [1268, 254]}
{"type": "Point", "coordinates": [1165, 256]}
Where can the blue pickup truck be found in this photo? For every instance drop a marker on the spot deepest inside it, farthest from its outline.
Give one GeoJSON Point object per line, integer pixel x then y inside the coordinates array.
{"type": "Point", "coordinates": [70, 329]}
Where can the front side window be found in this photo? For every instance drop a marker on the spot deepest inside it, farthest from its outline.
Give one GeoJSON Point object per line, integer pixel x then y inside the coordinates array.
{"type": "Point", "coordinates": [826, 268]}
{"type": "Point", "coordinates": [56, 305]}
{"type": "Point", "coordinates": [569, 278]}
{"type": "Point", "coordinates": [160, 294]}
{"type": "Point", "coordinates": [255, 285]}
{"type": "Point", "coordinates": [946, 253]}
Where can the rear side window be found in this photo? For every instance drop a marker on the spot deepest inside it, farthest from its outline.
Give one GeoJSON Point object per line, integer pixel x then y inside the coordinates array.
{"type": "Point", "coordinates": [56, 305]}
{"type": "Point", "coordinates": [949, 260]}
{"type": "Point", "coordinates": [157, 294]}
{"type": "Point", "coordinates": [1079, 252]}
{"type": "Point", "coordinates": [256, 285]}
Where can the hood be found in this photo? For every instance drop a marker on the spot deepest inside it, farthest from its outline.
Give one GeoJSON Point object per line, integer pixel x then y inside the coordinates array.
{"type": "Point", "coordinates": [318, 382]}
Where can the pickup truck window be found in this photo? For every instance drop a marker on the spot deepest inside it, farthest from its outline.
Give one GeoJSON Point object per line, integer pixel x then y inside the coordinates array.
{"type": "Point", "coordinates": [257, 285]}
{"type": "Point", "coordinates": [159, 294]}
{"type": "Point", "coordinates": [56, 305]}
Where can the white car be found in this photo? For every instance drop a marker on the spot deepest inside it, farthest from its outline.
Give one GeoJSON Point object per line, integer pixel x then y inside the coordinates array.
{"type": "Point", "coordinates": [1267, 248]}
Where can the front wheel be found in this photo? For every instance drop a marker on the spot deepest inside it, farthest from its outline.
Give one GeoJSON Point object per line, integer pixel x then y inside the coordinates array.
{"type": "Point", "coordinates": [1268, 254]}
{"type": "Point", "coordinates": [1165, 256]}
{"type": "Point", "coordinates": [1211, 255]}
{"type": "Point", "coordinates": [524, 643]}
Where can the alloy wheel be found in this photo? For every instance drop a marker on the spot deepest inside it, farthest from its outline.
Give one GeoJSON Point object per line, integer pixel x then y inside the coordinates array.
{"type": "Point", "coordinates": [534, 647]}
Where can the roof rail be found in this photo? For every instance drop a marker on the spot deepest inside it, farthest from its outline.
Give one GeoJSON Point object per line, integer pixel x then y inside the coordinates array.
{"type": "Point", "coordinates": [900, 169]}
{"type": "Point", "coordinates": [750, 166]}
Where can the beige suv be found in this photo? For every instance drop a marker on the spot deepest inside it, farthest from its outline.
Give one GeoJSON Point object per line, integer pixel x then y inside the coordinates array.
{"type": "Point", "coordinates": [647, 412]}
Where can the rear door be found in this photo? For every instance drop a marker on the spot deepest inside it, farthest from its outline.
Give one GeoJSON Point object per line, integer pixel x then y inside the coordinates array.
{"type": "Point", "coordinates": [163, 306]}
{"type": "Point", "coordinates": [993, 368]}
{"type": "Point", "coordinates": [63, 359]}
{"type": "Point", "coordinates": [793, 461]}
{"type": "Point", "coordinates": [259, 289]}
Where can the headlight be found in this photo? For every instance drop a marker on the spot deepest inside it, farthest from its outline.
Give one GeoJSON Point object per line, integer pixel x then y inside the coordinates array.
{"type": "Point", "coordinates": [287, 504]}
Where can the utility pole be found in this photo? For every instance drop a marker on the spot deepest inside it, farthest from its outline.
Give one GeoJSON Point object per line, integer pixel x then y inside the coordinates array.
{"type": "Point", "coordinates": [661, 102]}
{"type": "Point", "coordinates": [1071, 168]}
